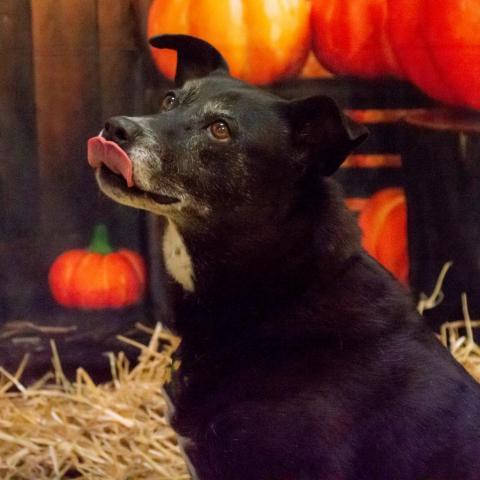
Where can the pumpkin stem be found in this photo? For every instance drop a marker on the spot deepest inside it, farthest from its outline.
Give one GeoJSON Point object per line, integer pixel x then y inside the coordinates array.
{"type": "Point", "coordinates": [99, 242]}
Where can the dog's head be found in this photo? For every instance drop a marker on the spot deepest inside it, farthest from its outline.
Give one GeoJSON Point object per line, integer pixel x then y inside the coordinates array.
{"type": "Point", "coordinates": [219, 148]}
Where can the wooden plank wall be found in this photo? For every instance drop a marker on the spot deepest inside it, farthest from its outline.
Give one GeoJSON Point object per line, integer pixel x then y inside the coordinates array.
{"type": "Point", "coordinates": [67, 65]}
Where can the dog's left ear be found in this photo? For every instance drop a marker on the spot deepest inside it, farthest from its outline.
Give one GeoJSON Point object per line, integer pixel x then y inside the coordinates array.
{"type": "Point", "coordinates": [195, 57]}
{"type": "Point", "coordinates": [320, 126]}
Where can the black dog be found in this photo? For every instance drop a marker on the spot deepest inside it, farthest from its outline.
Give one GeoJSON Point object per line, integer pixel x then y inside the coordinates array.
{"type": "Point", "coordinates": [301, 358]}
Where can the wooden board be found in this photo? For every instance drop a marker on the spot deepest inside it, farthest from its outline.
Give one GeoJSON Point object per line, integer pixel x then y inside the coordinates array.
{"type": "Point", "coordinates": [82, 339]}
{"type": "Point", "coordinates": [121, 80]}
{"type": "Point", "coordinates": [19, 188]}
{"type": "Point", "coordinates": [67, 91]}
{"type": "Point", "coordinates": [442, 180]}
{"type": "Point", "coordinates": [118, 58]}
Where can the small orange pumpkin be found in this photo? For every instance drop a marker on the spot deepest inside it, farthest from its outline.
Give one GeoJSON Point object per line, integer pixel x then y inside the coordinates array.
{"type": "Point", "coordinates": [383, 221]}
{"type": "Point", "coordinates": [98, 278]}
{"type": "Point", "coordinates": [262, 41]}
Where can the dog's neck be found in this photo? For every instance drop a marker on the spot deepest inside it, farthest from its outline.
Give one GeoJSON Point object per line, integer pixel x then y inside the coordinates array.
{"type": "Point", "coordinates": [211, 264]}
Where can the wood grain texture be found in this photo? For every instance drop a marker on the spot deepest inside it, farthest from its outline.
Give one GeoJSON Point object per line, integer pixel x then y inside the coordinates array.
{"type": "Point", "coordinates": [120, 91]}
{"type": "Point", "coordinates": [18, 173]}
{"type": "Point", "coordinates": [118, 57]}
{"type": "Point", "coordinates": [19, 188]}
{"type": "Point", "coordinates": [68, 112]}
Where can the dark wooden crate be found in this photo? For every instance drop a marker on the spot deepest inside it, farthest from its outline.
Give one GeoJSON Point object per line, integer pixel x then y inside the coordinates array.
{"type": "Point", "coordinates": [441, 153]}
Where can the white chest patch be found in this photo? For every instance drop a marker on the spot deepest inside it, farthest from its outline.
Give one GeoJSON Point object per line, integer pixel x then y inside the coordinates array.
{"type": "Point", "coordinates": [177, 260]}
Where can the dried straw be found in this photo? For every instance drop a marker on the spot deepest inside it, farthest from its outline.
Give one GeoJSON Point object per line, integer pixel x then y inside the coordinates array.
{"type": "Point", "coordinates": [458, 337]}
{"type": "Point", "coordinates": [58, 429]}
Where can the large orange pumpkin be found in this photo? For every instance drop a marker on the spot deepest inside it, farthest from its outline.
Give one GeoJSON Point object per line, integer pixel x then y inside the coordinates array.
{"type": "Point", "coordinates": [383, 221]}
{"type": "Point", "coordinates": [262, 41]}
{"type": "Point", "coordinates": [98, 277]}
{"type": "Point", "coordinates": [350, 37]}
{"type": "Point", "coordinates": [437, 42]}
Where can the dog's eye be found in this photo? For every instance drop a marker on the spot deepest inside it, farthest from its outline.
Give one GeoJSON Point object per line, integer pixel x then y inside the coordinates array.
{"type": "Point", "coordinates": [168, 102]}
{"type": "Point", "coordinates": [219, 130]}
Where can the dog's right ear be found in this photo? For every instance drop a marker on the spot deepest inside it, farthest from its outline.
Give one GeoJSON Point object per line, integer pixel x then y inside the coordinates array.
{"type": "Point", "coordinates": [195, 57]}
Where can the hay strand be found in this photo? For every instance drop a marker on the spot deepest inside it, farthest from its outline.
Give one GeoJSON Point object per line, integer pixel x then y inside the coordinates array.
{"type": "Point", "coordinates": [436, 297]}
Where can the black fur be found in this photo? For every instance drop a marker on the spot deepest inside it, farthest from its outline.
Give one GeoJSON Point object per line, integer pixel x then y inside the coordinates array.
{"type": "Point", "coordinates": [301, 357]}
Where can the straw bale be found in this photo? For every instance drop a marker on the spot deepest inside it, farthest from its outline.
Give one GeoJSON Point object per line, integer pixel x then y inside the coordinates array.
{"type": "Point", "coordinates": [60, 429]}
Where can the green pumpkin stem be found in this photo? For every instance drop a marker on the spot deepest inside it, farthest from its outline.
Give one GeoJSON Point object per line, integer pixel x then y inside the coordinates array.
{"type": "Point", "coordinates": [99, 242]}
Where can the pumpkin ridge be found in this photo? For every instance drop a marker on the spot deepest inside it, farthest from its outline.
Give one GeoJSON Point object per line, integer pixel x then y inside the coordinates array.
{"type": "Point", "coordinates": [383, 223]}
{"type": "Point", "coordinates": [303, 31]}
{"type": "Point", "coordinates": [381, 202]}
{"type": "Point", "coordinates": [385, 210]}
{"type": "Point", "coordinates": [392, 249]}
{"type": "Point", "coordinates": [72, 289]}
{"type": "Point", "coordinates": [441, 51]}
{"type": "Point", "coordinates": [247, 51]}
{"type": "Point", "coordinates": [135, 265]}
{"type": "Point", "coordinates": [64, 261]}
{"type": "Point", "coordinates": [189, 19]}
{"type": "Point", "coordinates": [128, 273]}
{"type": "Point", "coordinates": [89, 257]}
{"type": "Point", "coordinates": [106, 290]}
{"type": "Point", "coordinates": [425, 74]}
{"type": "Point", "coordinates": [132, 283]}
{"type": "Point", "coordinates": [74, 269]}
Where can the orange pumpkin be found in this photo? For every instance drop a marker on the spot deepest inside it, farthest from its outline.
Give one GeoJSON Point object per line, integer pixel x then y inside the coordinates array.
{"type": "Point", "coordinates": [454, 38]}
{"type": "Point", "coordinates": [350, 37]}
{"type": "Point", "coordinates": [407, 35]}
{"type": "Point", "coordinates": [437, 42]}
{"type": "Point", "coordinates": [262, 41]}
{"type": "Point", "coordinates": [383, 221]}
{"type": "Point", "coordinates": [98, 277]}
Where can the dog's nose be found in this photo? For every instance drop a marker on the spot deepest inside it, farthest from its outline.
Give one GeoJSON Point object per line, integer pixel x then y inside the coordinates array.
{"type": "Point", "coordinates": [121, 130]}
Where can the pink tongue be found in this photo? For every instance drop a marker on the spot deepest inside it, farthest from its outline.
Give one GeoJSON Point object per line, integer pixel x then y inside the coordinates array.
{"type": "Point", "coordinates": [104, 151]}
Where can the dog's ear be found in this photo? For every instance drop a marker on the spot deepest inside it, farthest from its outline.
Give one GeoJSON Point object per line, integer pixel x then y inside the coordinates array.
{"type": "Point", "coordinates": [195, 57]}
{"type": "Point", "coordinates": [319, 125]}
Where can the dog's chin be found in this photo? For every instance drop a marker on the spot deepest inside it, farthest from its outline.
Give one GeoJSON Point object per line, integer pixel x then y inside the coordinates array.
{"type": "Point", "coordinates": [114, 186]}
